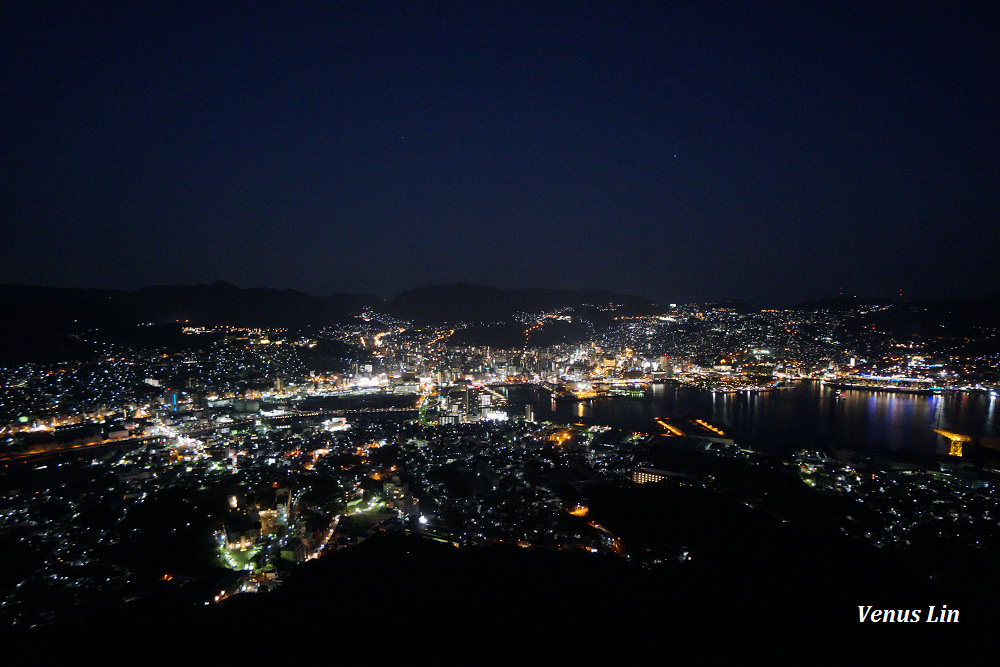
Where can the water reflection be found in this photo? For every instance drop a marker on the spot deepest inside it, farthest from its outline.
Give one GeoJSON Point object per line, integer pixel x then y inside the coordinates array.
{"type": "Point", "coordinates": [809, 415]}
{"type": "Point", "coordinates": [991, 415]}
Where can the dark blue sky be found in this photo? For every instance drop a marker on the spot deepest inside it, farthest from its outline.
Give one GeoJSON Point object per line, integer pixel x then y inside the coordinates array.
{"type": "Point", "coordinates": [770, 152]}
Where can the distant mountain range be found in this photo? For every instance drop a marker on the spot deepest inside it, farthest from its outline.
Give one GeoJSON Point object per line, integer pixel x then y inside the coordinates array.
{"type": "Point", "coordinates": [217, 303]}
{"type": "Point", "coordinates": [39, 319]}
{"type": "Point", "coordinates": [223, 303]}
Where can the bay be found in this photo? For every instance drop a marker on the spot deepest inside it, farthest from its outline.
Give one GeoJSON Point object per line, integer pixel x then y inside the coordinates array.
{"type": "Point", "coordinates": [806, 416]}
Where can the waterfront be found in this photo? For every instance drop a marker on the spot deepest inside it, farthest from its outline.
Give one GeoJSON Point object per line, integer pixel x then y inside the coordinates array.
{"type": "Point", "coordinates": [894, 425]}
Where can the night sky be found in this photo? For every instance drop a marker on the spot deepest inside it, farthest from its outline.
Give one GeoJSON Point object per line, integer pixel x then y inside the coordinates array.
{"type": "Point", "coordinates": [769, 152]}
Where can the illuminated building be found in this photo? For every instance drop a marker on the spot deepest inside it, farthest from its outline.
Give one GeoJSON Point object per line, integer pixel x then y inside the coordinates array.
{"type": "Point", "coordinates": [646, 475]}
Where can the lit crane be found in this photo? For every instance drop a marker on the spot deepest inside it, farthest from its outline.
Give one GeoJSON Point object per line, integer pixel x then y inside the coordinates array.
{"type": "Point", "coordinates": [956, 440]}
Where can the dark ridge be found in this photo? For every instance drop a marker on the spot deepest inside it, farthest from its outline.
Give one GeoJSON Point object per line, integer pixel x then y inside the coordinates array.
{"type": "Point", "coordinates": [943, 321]}
{"type": "Point", "coordinates": [223, 303]}
{"type": "Point", "coordinates": [842, 303]}
{"type": "Point", "coordinates": [983, 311]}
{"type": "Point", "coordinates": [41, 321]}
{"type": "Point", "coordinates": [476, 303]}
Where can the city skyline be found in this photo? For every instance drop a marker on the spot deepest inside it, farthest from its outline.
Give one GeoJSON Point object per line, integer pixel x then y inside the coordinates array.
{"type": "Point", "coordinates": [819, 459]}
{"type": "Point", "coordinates": [774, 155]}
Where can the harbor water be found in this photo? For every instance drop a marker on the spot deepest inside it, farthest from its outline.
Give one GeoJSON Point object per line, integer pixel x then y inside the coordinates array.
{"type": "Point", "coordinates": [808, 415]}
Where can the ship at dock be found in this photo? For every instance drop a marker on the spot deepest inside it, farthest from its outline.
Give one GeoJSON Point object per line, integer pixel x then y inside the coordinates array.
{"type": "Point", "coordinates": [906, 385]}
{"type": "Point", "coordinates": [585, 391]}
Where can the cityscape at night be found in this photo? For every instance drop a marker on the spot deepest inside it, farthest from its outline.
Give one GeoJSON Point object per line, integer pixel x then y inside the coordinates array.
{"type": "Point", "coordinates": [473, 320]}
{"type": "Point", "coordinates": [196, 463]}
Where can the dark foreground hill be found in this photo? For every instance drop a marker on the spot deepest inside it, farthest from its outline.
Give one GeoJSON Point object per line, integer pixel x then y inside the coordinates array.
{"type": "Point", "coordinates": [752, 579]}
